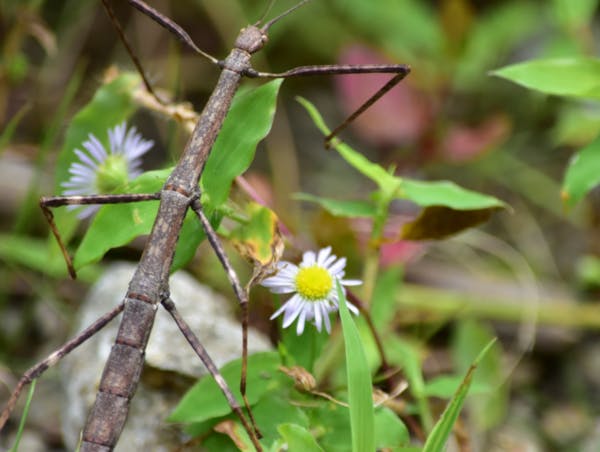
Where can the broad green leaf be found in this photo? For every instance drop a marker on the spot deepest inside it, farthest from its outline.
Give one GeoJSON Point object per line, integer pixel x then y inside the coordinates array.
{"type": "Point", "coordinates": [274, 409]}
{"type": "Point", "coordinates": [439, 222]}
{"type": "Point", "coordinates": [205, 399]}
{"type": "Point", "coordinates": [360, 387]}
{"type": "Point", "coordinates": [445, 193]}
{"type": "Point", "coordinates": [249, 120]}
{"type": "Point", "coordinates": [390, 432]}
{"type": "Point", "coordinates": [347, 209]}
{"type": "Point", "coordinates": [117, 224]}
{"type": "Point", "coordinates": [298, 438]}
{"type": "Point", "coordinates": [578, 77]}
{"type": "Point", "coordinates": [436, 441]}
{"type": "Point", "coordinates": [583, 173]}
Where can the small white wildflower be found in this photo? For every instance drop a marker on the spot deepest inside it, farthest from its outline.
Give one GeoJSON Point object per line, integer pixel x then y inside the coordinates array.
{"type": "Point", "coordinates": [99, 171]}
{"type": "Point", "coordinates": [314, 284]}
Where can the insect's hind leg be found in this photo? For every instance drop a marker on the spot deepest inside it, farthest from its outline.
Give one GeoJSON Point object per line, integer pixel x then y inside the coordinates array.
{"type": "Point", "coordinates": [46, 203]}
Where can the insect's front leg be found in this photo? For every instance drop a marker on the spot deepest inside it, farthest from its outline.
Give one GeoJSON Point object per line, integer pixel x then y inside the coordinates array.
{"type": "Point", "coordinates": [46, 203]}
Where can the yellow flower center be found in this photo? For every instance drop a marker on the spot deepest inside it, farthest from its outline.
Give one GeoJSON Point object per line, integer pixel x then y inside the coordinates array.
{"type": "Point", "coordinates": [313, 283]}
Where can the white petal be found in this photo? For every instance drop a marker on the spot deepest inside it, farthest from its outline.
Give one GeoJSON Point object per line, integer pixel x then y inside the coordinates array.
{"type": "Point", "coordinates": [326, 318]}
{"type": "Point", "coordinates": [95, 148]}
{"type": "Point", "coordinates": [86, 159]}
{"type": "Point", "coordinates": [353, 309]}
{"type": "Point", "coordinates": [350, 282]}
{"type": "Point", "coordinates": [318, 315]}
{"type": "Point", "coordinates": [301, 321]}
{"type": "Point", "coordinates": [338, 266]}
{"type": "Point", "coordinates": [323, 255]}
{"type": "Point", "coordinates": [308, 259]}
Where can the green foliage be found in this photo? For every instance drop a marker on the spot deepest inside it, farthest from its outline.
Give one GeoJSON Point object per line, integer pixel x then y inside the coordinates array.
{"type": "Point", "coordinates": [359, 382]}
{"type": "Point", "coordinates": [576, 77]}
{"type": "Point", "coordinates": [583, 173]}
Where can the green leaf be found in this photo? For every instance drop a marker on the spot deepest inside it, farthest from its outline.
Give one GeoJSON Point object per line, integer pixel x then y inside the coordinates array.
{"type": "Point", "coordinates": [445, 193]}
{"type": "Point", "coordinates": [359, 382]}
{"type": "Point", "coordinates": [205, 400]}
{"type": "Point", "coordinates": [347, 209]}
{"type": "Point", "coordinates": [249, 120]}
{"type": "Point", "coordinates": [390, 432]}
{"type": "Point", "coordinates": [117, 224]}
{"type": "Point", "coordinates": [577, 77]}
{"type": "Point", "coordinates": [436, 441]}
{"type": "Point", "coordinates": [583, 173]}
{"type": "Point", "coordinates": [298, 438]}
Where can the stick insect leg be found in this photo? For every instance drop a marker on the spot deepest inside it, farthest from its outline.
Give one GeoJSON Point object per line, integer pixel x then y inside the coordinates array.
{"type": "Point", "coordinates": [54, 358]}
{"type": "Point", "coordinates": [240, 293]}
{"type": "Point", "coordinates": [400, 71]}
{"type": "Point", "coordinates": [212, 368]}
{"type": "Point", "coordinates": [57, 201]}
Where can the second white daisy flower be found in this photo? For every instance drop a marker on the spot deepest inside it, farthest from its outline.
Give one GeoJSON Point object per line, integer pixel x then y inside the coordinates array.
{"type": "Point", "coordinates": [101, 171]}
{"type": "Point", "coordinates": [313, 283]}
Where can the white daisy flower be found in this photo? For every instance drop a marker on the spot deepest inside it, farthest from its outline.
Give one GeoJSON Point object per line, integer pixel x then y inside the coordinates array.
{"type": "Point", "coordinates": [313, 282]}
{"type": "Point", "coordinates": [101, 171]}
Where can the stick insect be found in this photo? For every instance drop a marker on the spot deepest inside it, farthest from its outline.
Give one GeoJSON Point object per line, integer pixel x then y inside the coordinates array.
{"type": "Point", "coordinates": [149, 286]}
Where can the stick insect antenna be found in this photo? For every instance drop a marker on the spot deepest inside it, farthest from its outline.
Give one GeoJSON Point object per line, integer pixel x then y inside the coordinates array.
{"type": "Point", "coordinates": [170, 25]}
{"type": "Point", "coordinates": [132, 55]}
{"type": "Point", "coordinates": [267, 11]}
{"type": "Point", "coordinates": [266, 26]}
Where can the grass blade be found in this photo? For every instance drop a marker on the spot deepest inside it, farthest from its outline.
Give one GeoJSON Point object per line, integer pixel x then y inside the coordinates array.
{"type": "Point", "coordinates": [360, 397]}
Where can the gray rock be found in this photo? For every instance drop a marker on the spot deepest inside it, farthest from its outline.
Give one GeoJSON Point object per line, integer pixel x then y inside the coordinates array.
{"type": "Point", "coordinates": [168, 352]}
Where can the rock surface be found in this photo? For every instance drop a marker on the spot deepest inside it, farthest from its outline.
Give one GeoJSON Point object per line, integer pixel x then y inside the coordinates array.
{"type": "Point", "coordinates": [169, 357]}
